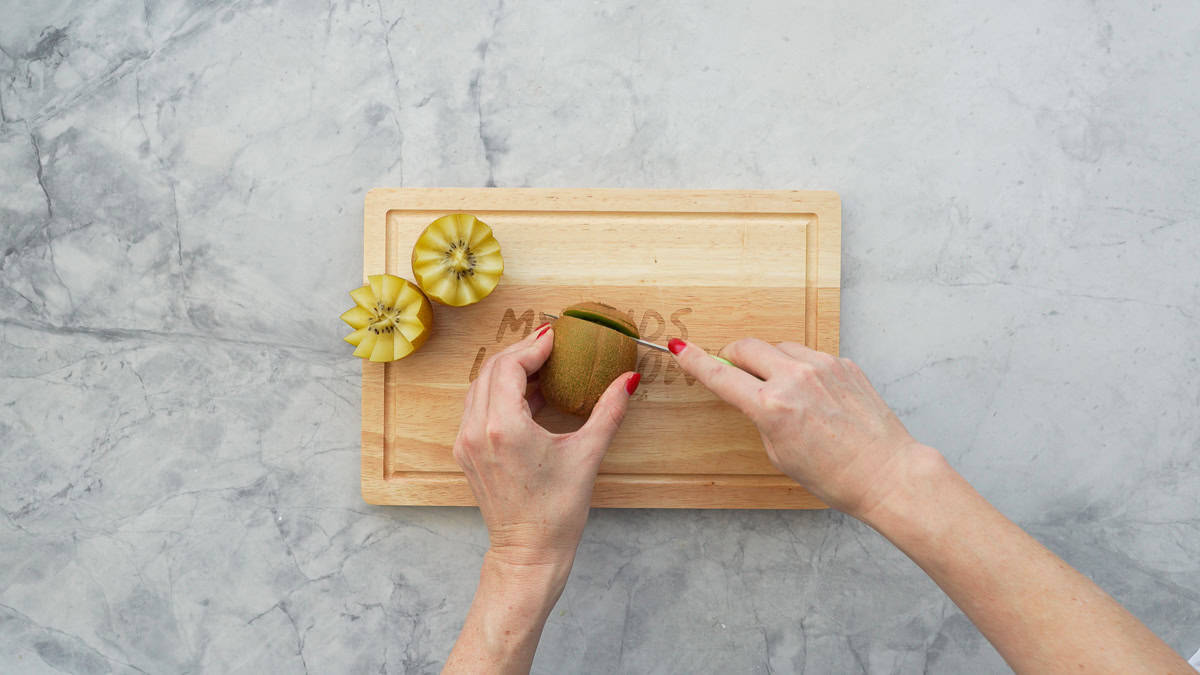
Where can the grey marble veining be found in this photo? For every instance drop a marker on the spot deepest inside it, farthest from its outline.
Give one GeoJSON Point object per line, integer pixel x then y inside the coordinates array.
{"type": "Point", "coordinates": [180, 199]}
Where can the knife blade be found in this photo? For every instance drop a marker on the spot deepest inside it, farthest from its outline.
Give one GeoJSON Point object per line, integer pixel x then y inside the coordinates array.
{"type": "Point", "coordinates": [652, 345]}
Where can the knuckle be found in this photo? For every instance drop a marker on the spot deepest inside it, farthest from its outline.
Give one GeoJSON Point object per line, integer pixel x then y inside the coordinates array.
{"type": "Point", "coordinates": [772, 401]}
{"type": "Point", "coordinates": [824, 361]}
{"type": "Point", "coordinates": [803, 372]}
{"type": "Point", "coordinates": [758, 343]}
{"type": "Point", "coordinates": [613, 416]}
{"type": "Point", "coordinates": [509, 366]}
{"type": "Point", "coordinates": [739, 345]}
{"type": "Point", "coordinates": [498, 430]}
{"type": "Point", "coordinates": [807, 377]}
{"type": "Point", "coordinates": [464, 447]}
{"type": "Point", "coordinates": [507, 358]}
{"type": "Point", "coordinates": [496, 433]}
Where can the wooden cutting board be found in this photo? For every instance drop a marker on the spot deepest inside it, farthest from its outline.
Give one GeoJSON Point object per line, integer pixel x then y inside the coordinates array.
{"type": "Point", "coordinates": [709, 266]}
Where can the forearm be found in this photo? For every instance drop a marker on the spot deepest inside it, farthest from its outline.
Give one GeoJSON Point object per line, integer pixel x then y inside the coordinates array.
{"type": "Point", "coordinates": [1040, 613]}
{"type": "Point", "coordinates": [505, 621]}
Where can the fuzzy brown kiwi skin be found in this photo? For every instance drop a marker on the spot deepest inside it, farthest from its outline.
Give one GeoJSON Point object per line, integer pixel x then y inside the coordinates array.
{"type": "Point", "coordinates": [586, 358]}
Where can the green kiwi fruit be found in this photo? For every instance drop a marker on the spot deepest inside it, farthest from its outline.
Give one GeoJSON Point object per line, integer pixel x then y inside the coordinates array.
{"type": "Point", "coordinates": [592, 347]}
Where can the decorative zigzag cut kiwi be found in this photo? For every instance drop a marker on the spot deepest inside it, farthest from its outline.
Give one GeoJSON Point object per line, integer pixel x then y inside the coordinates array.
{"type": "Point", "coordinates": [457, 260]}
{"type": "Point", "coordinates": [391, 318]}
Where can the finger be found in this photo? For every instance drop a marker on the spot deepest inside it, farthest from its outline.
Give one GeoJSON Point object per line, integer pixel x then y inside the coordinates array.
{"type": "Point", "coordinates": [531, 352]}
{"type": "Point", "coordinates": [732, 384]}
{"type": "Point", "coordinates": [503, 377]}
{"type": "Point", "coordinates": [525, 341]}
{"type": "Point", "coordinates": [508, 390]}
{"type": "Point", "coordinates": [808, 355]}
{"type": "Point", "coordinates": [510, 376]}
{"type": "Point", "coordinates": [794, 349]}
{"type": "Point", "coordinates": [606, 416]}
{"type": "Point", "coordinates": [518, 346]}
{"type": "Point", "coordinates": [479, 384]}
{"type": "Point", "coordinates": [756, 357]}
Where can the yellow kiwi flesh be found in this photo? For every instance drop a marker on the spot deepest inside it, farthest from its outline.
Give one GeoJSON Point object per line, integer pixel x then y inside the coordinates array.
{"type": "Point", "coordinates": [391, 318]}
{"type": "Point", "coordinates": [589, 353]}
{"type": "Point", "coordinates": [457, 260]}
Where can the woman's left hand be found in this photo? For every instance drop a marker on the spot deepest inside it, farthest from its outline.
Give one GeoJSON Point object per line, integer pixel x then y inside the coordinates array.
{"type": "Point", "coordinates": [534, 488]}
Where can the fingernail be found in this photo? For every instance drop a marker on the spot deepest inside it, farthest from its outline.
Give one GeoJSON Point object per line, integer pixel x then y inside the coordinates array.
{"type": "Point", "coordinates": [632, 384]}
{"type": "Point", "coordinates": [542, 330]}
{"type": "Point", "coordinates": [676, 345]}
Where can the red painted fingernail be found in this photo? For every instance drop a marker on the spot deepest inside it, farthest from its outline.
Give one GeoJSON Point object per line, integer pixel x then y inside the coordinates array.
{"type": "Point", "coordinates": [676, 345]}
{"type": "Point", "coordinates": [542, 329]}
{"type": "Point", "coordinates": [631, 385]}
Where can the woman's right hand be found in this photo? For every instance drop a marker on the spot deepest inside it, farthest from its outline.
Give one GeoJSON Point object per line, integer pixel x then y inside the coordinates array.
{"type": "Point", "coordinates": [825, 426]}
{"type": "Point", "coordinates": [821, 421]}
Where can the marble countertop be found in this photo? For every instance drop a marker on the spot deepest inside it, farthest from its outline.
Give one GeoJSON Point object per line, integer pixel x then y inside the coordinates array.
{"type": "Point", "coordinates": [181, 189]}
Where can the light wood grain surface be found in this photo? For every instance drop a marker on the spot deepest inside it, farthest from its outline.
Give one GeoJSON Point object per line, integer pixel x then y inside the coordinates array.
{"type": "Point", "coordinates": [708, 266]}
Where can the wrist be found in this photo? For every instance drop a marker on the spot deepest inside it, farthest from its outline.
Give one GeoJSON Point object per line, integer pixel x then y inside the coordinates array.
{"type": "Point", "coordinates": [511, 606]}
{"type": "Point", "coordinates": [912, 490]}
{"type": "Point", "coordinates": [539, 577]}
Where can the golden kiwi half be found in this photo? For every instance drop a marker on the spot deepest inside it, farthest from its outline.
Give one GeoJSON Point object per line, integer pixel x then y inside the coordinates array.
{"type": "Point", "coordinates": [592, 347]}
{"type": "Point", "coordinates": [457, 260]}
{"type": "Point", "coordinates": [391, 318]}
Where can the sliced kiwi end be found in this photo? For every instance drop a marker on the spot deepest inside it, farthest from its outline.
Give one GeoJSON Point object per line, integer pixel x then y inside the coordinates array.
{"type": "Point", "coordinates": [598, 313]}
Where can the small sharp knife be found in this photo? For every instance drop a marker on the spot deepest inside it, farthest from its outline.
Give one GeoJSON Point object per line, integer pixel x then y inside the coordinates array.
{"type": "Point", "coordinates": [652, 345]}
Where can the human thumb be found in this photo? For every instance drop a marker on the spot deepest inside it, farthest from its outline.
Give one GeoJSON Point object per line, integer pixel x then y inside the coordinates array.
{"type": "Point", "coordinates": [606, 417]}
